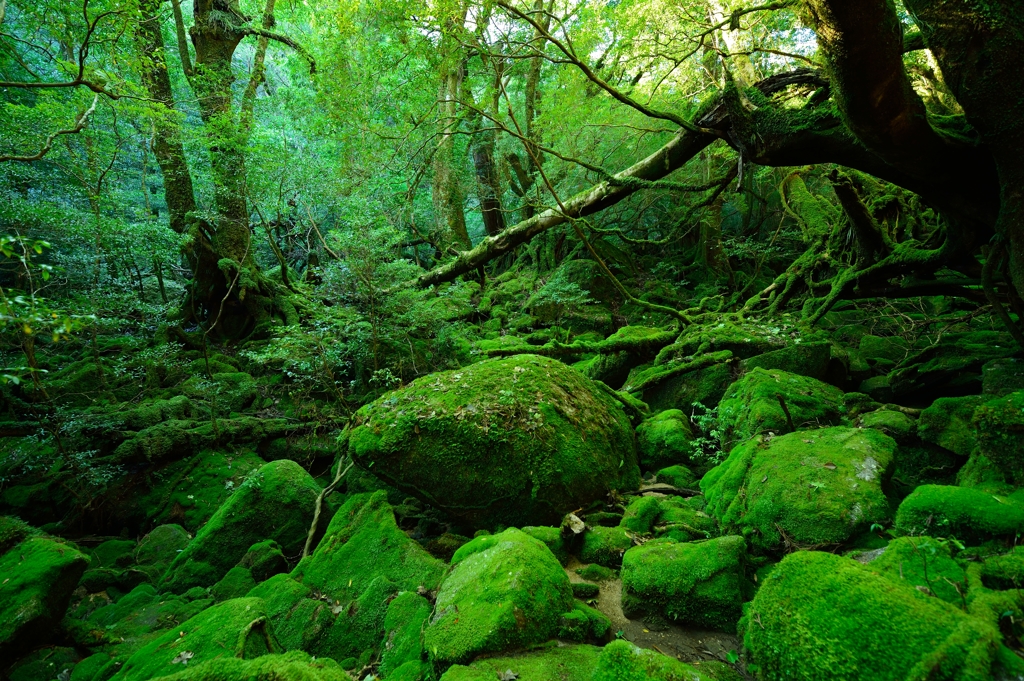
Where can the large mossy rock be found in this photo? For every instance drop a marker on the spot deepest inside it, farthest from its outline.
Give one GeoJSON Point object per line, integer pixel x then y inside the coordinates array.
{"type": "Point", "coordinates": [623, 661]}
{"type": "Point", "coordinates": [561, 663]}
{"type": "Point", "coordinates": [363, 542]}
{"type": "Point", "coordinates": [698, 583]}
{"type": "Point", "coordinates": [947, 423]}
{"type": "Point", "coordinates": [293, 666]}
{"type": "Point", "coordinates": [967, 513]}
{"type": "Point", "coordinates": [776, 401]}
{"type": "Point", "coordinates": [517, 441]}
{"type": "Point", "coordinates": [276, 502]}
{"type": "Point", "coordinates": [504, 591]}
{"type": "Point", "coordinates": [821, 616]}
{"type": "Point", "coordinates": [238, 628]}
{"type": "Point", "coordinates": [37, 577]}
{"type": "Point", "coordinates": [999, 425]}
{"type": "Point", "coordinates": [806, 488]}
{"type": "Point", "coordinates": [664, 440]}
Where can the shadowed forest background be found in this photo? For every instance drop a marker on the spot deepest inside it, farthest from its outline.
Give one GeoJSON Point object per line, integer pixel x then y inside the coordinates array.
{"type": "Point", "coordinates": [701, 319]}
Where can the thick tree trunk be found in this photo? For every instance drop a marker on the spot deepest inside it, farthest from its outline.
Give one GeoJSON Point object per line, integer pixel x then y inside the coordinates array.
{"type": "Point", "coordinates": [488, 182]}
{"type": "Point", "coordinates": [167, 146]}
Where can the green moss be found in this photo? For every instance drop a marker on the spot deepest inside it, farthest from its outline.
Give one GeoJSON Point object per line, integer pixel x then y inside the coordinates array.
{"type": "Point", "coordinates": [358, 628]}
{"type": "Point", "coordinates": [967, 513]}
{"type": "Point", "coordinates": [445, 546]}
{"type": "Point", "coordinates": [641, 514]}
{"type": "Point", "coordinates": [235, 584]}
{"type": "Point", "coordinates": [264, 560]}
{"type": "Point", "coordinates": [159, 548]}
{"type": "Point", "coordinates": [999, 425]}
{"type": "Point", "coordinates": [584, 623]}
{"type": "Point", "coordinates": [678, 476]}
{"type": "Point", "coordinates": [235, 628]}
{"type": "Point", "coordinates": [561, 663]}
{"type": "Point", "coordinates": [681, 389]}
{"type": "Point", "coordinates": [597, 573]}
{"type": "Point", "coordinates": [664, 440]}
{"type": "Point", "coordinates": [754, 404]}
{"type": "Point", "coordinates": [363, 542]}
{"type": "Point", "coordinates": [403, 632]}
{"type": "Point", "coordinates": [623, 661]}
{"type": "Point", "coordinates": [585, 590]}
{"type": "Point", "coordinates": [37, 577]}
{"type": "Point", "coordinates": [552, 538]}
{"type": "Point", "coordinates": [503, 591]}
{"type": "Point", "coordinates": [274, 503]}
{"type": "Point", "coordinates": [514, 441]}
{"type": "Point", "coordinates": [806, 488]}
{"type": "Point", "coordinates": [698, 583]}
{"type": "Point", "coordinates": [892, 348]}
{"type": "Point", "coordinates": [822, 616]}
{"type": "Point", "coordinates": [807, 359]}
{"type": "Point", "coordinates": [13, 531]}
{"type": "Point", "coordinates": [895, 424]}
{"type": "Point", "coordinates": [604, 546]}
{"type": "Point", "coordinates": [947, 423]}
{"type": "Point", "coordinates": [231, 392]}
{"type": "Point", "coordinates": [1003, 376]}
{"type": "Point", "coordinates": [293, 666]}
{"type": "Point", "coordinates": [45, 663]}
{"type": "Point", "coordinates": [925, 563]}
{"type": "Point", "coordinates": [667, 516]}
{"type": "Point", "coordinates": [89, 669]}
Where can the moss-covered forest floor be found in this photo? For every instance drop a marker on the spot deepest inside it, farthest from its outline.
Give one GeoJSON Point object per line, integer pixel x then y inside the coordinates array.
{"type": "Point", "coordinates": [579, 495]}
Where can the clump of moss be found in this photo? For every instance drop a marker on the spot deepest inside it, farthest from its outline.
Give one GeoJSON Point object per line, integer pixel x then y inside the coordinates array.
{"type": "Point", "coordinates": [584, 623]}
{"type": "Point", "coordinates": [403, 632]}
{"type": "Point", "coordinates": [807, 488]}
{"type": "Point", "coordinates": [664, 440]}
{"type": "Point", "coordinates": [235, 584]}
{"type": "Point", "coordinates": [604, 546]}
{"type": "Point", "coordinates": [822, 616]}
{"type": "Point", "coordinates": [947, 423]}
{"type": "Point", "coordinates": [597, 573]}
{"type": "Point", "coordinates": [677, 476]}
{"type": "Point", "coordinates": [585, 590]}
{"type": "Point", "coordinates": [39, 575]}
{"type": "Point", "coordinates": [264, 560]}
{"type": "Point", "coordinates": [813, 359]}
{"type": "Point", "coordinates": [236, 628]}
{"type": "Point", "coordinates": [293, 666]}
{"type": "Point", "coordinates": [275, 503]}
{"type": "Point", "coordinates": [552, 663]}
{"type": "Point", "coordinates": [967, 513]}
{"type": "Point", "coordinates": [623, 661]}
{"type": "Point", "coordinates": [669, 517]}
{"type": "Point", "coordinates": [700, 583]}
{"type": "Point", "coordinates": [364, 542]}
{"type": "Point", "coordinates": [13, 531]}
{"type": "Point", "coordinates": [999, 425]}
{"type": "Point", "coordinates": [504, 591]}
{"type": "Point", "coordinates": [516, 441]}
{"type": "Point", "coordinates": [552, 537]}
{"type": "Point", "coordinates": [925, 563]}
{"type": "Point", "coordinates": [776, 401]}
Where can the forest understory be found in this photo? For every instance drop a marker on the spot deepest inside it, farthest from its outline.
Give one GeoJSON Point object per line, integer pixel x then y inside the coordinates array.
{"type": "Point", "coordinates": [453, 340]}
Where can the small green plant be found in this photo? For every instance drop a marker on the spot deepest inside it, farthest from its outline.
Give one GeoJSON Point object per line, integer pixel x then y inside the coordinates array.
{"type": "Point", "coordinates": [706, 446]}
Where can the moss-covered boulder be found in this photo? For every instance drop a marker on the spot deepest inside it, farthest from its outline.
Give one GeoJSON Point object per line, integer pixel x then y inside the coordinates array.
{"type": "Point", "coordinates": [1003, 376]}
{"type": "Point", "coordinates": [504, 591]}
{"type": "Point", "coordinates": [697, 583]}
{"type": "Point", "coordinates": [999, 425]}
{"type": "Point", "coordinates": [623, 661]}
{"type": "Point", "coordinates": [668, 517]}
{"type": "Point", "coordinates": [264, 560]}
{"type": "Point", "coordinates": [664, 440]}
{"type": "Point", "coordinates": [293, 666]}
{"type": "Point", "coordinates": [947, 423]}
{"type": "Point", "coordinates": [37, 577]}
{"type": "Point", "coordinates": [822, 616]}
{"type": "Point", "coordinates": [276, 503]}
{"type": "Point", "coordinates": [363, 542]}
{"type": "Point", "coordinates": [926, 564]}
{"type": "Point", "coordinates": [403, 635]}
{"type": "Point", "coordinates": [604, 546]}
{"type": "Point", "coordinates": [967, 513]}
{"type": "Point", "coordinates": [776, 401]}
{"type": "Point", "coordinates": [237, 628]}
{"type": "Point", "coordinates": [228, 392]}
{"type": "Point", "coordinates": [554, 663]}
{"type": "Point", "coordinates": [517, 441]}
{"type": "Point", "coordinates": [158, 549]}
{"type": "Point", "coordinates": [678, 476]}
{"type": "Point", "coordinates": [805, 489]}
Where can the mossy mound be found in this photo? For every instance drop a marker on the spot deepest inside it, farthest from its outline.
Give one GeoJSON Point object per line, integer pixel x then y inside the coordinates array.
{"type": "Point", "coordinates": [967, 513]}
{"type": "Point", "coordinates": [504, 591]}
{"type": "Point", "coordinates": [947, 423]}
{"type": "Point", "coordinates": [37, 577]}
{"type": "Point", "coordinates": [604, 546]}
{"type": "Point", "coordinates": [264, 560]}
{"type": "Point", "coordinates": [665, 440]}
{"type": "Point", "coordinates": [517, 441]}
{"type": "Point", "coordinates": [293, 666]}
{"type": "Point", "coordinates": [678, 476]}
{"type": "Point", "coordinates": [158, 549]}
{"type": "Point", "coordinates": [669, 517]}
{"type": "Point", "coordinates": [403, 633]}
{"type": "Point", "coordinates": [776, 401]}
{"type": "Point", "coordinates": [274, 503]}
{"type": "Point", "coordinates": [363, 542]}
{"type": "Point", "coordinates": [1003, 376]}
{"type": "Point", "coordinates": [807, 488]}
{"type": "Point", "coordinates": [999, 425]}
{"type": "Point", "coordinates": [237, 628]}
{"type": "Point", "coordinates": [822, 616]}
{"type": "Point", "coordinates": [561, 663]}
{"type": "Point", "coordinates": [926, 564]}
{"type": "Point", "coordinates": [623, 661]}
{"type": "Point", "coordinates": [698, 583]}
{"type": "Point", "coordinates": [45, 663]}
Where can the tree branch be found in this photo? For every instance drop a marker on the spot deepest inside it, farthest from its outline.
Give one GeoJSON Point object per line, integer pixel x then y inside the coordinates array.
{"type": "Point", "coordinates": [80, 123]}
{"type": "Point", "coordinates": [284, 40]}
